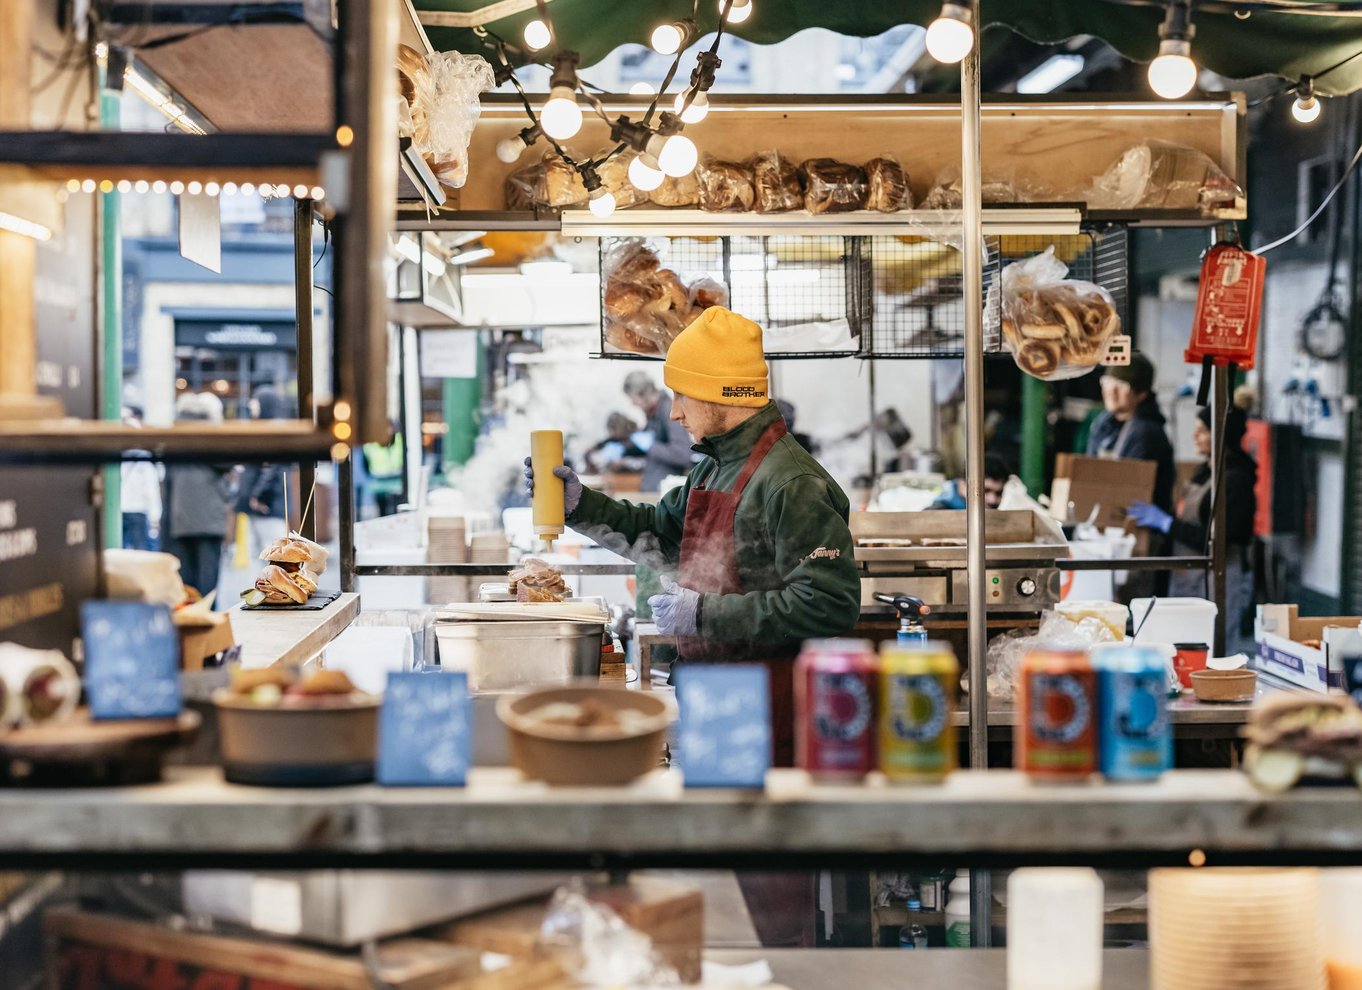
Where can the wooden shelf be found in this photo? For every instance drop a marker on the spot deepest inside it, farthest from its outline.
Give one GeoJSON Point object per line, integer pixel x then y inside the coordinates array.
{"type": "Point", "coordinates": [995, 818]}
{"type": "Point", "coordinates": [280, 159]}
{"type": "Point", "coordinates": [1022, 219]}
{"type": "Point", "coordinates": [45, 441]}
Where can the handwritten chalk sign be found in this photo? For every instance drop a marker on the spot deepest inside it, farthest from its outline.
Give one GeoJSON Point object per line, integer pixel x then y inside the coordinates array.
{"type": "Point", "coordinates": [132, 660]}
{"type": "Point", "coordinates": [724, 739]}
{"type": "Point", "coordinates": [424, 730]}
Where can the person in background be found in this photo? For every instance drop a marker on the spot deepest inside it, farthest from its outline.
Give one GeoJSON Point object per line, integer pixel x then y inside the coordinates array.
{"type": "Point", "coordinates": [618, 451]}
{"type": "Point", "coordinates": [996, 474]}
{"type": "Point", "coordinates": [1132, 426]}
{"type": "Point", "coordinates": [787, 412]}
{"type": "Point", "coordinates": [139, 492]}
{"type": "Point", "coordinates": [1189, 527]}
{"type": "Point", "coordinates": [196, 503]}
{"type": "Point", "coordinates": [670, 451]}
{"type": "Point", "coordinates": [260, 494]}
{"type": "Point", "coordinates": [383, 467]}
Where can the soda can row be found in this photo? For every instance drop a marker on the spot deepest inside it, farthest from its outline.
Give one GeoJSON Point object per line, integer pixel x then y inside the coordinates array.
{"type": "Point", "coordinates": [1082, 714]}
{"type": "Point", "coordinates": [858, 711]}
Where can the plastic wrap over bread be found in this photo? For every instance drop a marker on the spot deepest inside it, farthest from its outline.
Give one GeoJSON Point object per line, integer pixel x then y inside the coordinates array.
{"type": "Point", "coordinates": [1056, 327]}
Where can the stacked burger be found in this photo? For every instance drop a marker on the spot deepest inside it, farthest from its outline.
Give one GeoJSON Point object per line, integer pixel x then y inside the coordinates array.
{"type": "Point", "coordinates": [289, 576]}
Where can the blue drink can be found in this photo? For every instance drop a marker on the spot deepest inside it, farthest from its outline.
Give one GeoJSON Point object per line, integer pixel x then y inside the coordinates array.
{"type": "Point", "coordinates": [1135, 736]}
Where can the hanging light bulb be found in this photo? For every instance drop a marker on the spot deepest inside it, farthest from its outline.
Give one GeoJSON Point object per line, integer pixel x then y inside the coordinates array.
{"type": "Point", "coordinates": [698, 109]}
{"type": "Point", "coordinates": [1173, 73]}
{"type": "Point", "coordinates": [668, 38]}
{"type": "Point", "coordinates": [602, 201]}
{"type": "Point", "coordinates": [644, 173]}
{"type": "Point", "coordinates": [679, 156]}
{"type": "Point", "coordinates": [1306, 108]}
{"type": "Point", "coordinates": [537, 35]}
{"type": "Point", "coordinates": [739, 12]}
{"type": "Point", "coordinates": [561, 117]}
{"type": "Point", "coordinates": [510, 149]}
{"type": "Point", "coordinates": [642, 89]}
{"type": "Point", "coordinates": [951, 36]}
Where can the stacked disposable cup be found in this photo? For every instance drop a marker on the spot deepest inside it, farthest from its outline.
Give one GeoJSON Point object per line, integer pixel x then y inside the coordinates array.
{"type": "Point", "coordinates": [1054, 930]}
{"type": "Point", "coordinates": [446, 544]}
{"type": "Point", "coordinates": [1340, 908]}
{"type": "Point", "coordinates": [1235, 929]}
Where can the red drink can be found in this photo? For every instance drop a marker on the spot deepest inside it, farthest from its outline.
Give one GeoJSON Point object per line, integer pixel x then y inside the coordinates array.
{"type": "Point", "coordinates": [1057, 734]}
{"type": "Point", "coordinates": [835, 683]}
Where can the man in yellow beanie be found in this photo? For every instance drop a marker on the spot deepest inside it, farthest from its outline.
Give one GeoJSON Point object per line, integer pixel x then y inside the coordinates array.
{"type": "Point", "coordinates": [756, 539]}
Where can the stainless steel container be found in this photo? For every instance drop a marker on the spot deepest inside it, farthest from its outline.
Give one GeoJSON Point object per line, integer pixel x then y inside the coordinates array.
{"type": "Point", "coordinates": [502, 656]}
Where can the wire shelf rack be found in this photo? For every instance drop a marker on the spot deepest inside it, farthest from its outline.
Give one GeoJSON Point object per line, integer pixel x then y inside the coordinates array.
{"type": "Point", "coordinates": [1099, 255]}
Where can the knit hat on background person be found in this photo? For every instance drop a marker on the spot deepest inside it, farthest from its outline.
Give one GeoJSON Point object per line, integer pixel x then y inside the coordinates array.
{"type": "Point", "coordinates": [1139, 374]}
{"type": "Point", "coordinates": [718, 358]}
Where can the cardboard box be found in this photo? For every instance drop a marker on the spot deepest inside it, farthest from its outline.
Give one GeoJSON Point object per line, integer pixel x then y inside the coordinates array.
{"type": "Point", "coordinates": [112, 953]}
{"type": "Point", "coordinates": [1110, 485]}
{"type": "Point", "coordinates": [1282, 636]}
{"type": "Point", "coordinates": [670, 913]}
{"type": "Point", "coordinates": [199, 642]}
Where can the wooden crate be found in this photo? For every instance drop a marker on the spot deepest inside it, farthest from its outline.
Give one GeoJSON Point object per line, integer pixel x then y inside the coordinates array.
{"type": "Point", "coordinates": [101, 952]}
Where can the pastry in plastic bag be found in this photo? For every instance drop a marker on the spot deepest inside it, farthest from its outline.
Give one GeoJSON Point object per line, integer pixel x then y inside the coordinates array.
{"type": "Point", "coordinates": [705, 293]}
{"type": "Point", "coordinates": [832, 186]}
{"type": "Point", "coordinates": [888, 190]}
{"type": "Point", "coordinates": [776, 180]}
{"type": "Point", "coordinates": [682, 191]}
{"type": "Point", "coordinates": [1056, 327]}
{"type": "Point", "coordinates": [445, 107]}
{"type": "Point", "coordinates": [725, 187]}
{"type": "Point", "coordinates": [1157, 175]}
{"type": "Point", "coordinates": [524, 187]}
{"type": "Point", "coordinates": [550, 182]}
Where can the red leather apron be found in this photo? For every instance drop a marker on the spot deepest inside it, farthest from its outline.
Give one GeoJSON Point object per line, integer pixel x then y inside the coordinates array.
{"type": "Point", "coordinates": [781, 904]}
{"type": "Point", "coordinates": [709, 565]}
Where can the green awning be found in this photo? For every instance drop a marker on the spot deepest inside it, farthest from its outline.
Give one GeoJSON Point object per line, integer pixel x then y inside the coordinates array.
{"type": "Point", "coordinates": [1277, 44]}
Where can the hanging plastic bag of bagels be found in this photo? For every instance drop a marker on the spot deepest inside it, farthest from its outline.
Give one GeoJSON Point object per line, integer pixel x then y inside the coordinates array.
{"type": "Point", "coordinates": [1056, 327]}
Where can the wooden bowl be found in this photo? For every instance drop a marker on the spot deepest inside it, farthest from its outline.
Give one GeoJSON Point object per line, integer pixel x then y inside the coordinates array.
{"type": "Point", "coordinates": [297, 747]}
{"type": "Point", "coordinates": [584, 756]}
{"type": "Point", "coordinates": [1224, 685]}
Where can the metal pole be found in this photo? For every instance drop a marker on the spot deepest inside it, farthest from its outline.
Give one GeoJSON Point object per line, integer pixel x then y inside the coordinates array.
{"type": "Point", "coordinates": [345, 487]}
{"type": "Point", "coordinates": [302, 304]}
{"type": "Point", "coordinates": [1220, 403]}
{"type": "Point", "coordinates": [972, 260]}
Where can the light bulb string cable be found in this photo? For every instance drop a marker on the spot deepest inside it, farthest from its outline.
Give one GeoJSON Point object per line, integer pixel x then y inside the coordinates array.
{"type": "Point", "coordinates": [693, 90]}
{"type": "Point", "coordinates": [1324, 205]}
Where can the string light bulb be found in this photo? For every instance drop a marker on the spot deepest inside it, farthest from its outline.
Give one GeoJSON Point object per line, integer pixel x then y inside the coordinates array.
{"type": "Point", "coordinates": [951, 36]}
{"type": "Point", "coordinates": [602, 200]}
{"type": "Point", "coordinates": [644, 173]}
{"type": "Point", "coordinates": [698, 109]}
{"type": "Point", "coordinates": [510, 149]}
{"type": "Point", "coordinates": [537, 35]}
{"type": "Point", "coordinates": [740, 10]}
{"type": "Point", "coordinates": [668, 39]}
{"type": "Point", "coordinates": [561, 117]}
{"type": "Point", "coordinates": [1306, 108]}
{"type": "Point", "coordinates": [642, 89]}
{"type": "Point", "coordinates": [1173, 73]}
{"type": "Point", "coordinates": [679, 156]}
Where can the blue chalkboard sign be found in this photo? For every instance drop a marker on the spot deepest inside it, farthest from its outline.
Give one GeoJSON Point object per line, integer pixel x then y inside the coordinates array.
{"type": "Point", "coordinates": [424, 732]}
{"type": "Point", "coordinates": [724, 738]}
{"type": "Point", "coordinates": [132, 660]}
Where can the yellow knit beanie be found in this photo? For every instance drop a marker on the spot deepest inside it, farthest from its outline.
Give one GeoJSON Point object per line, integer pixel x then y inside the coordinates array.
{"type": "Point", "coordinates": [718, 358]}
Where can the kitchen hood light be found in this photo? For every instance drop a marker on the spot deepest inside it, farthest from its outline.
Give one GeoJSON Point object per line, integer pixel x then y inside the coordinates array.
{"type": "Point", "coordinates": [951, 36]}
{"type": "Point", "coordinates": [1051, 74]}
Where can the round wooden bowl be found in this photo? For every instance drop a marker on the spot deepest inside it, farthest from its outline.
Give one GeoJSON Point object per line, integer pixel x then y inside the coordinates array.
{"type": "Point", "coordinates": [1224, 685]}
{"type": "Point", "coordinates": [297, 747]}
{"type": "Point", "coordinates": [584, 756]}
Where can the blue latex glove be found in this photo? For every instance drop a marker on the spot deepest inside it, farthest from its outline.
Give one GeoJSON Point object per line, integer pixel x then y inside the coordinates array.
{"type": "Point", "coordinates": [1149, 516]}
{"type": "Point", "coordinates": [676, 610]}
{"type": "Point", "coordinates": [572, 485]}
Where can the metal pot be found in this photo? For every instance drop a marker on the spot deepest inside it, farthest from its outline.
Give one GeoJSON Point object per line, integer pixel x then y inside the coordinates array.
{"type": "Point", "coordinates": [501, 656]}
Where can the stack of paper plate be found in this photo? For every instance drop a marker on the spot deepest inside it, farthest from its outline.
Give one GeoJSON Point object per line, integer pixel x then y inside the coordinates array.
{"type": "Point", "coordinates": [446, 544]}
{"type": "Point", "coordinates": [1235, 929]}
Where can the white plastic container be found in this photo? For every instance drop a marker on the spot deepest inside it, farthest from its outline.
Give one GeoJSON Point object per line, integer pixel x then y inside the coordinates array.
{"type": "Point", "coordinates": [1173, 620]}
{"type": "Point", "coordinates": [1111, 614]}
{"type": "Point", "coordinates": [957, 911]}
{"type": "Point", "coordinates": [1054, 929]}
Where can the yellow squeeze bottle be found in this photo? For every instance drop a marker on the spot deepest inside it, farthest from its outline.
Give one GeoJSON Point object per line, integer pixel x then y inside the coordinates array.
{"type": "Point", "coordinates": [546, 453]}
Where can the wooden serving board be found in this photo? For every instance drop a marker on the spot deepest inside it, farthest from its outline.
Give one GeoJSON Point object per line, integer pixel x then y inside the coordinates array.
{"type": "Point", "coordinates": [81, 750]}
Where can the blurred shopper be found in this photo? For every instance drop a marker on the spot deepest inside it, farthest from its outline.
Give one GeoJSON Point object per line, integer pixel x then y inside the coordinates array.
{"type": "Point", "coordinates": [260, 494]}
{"type": "Point", "coordinates": [619, 450]}
{"type": "Point", "coordinates": [139, 490]}
{"type": "Point", "coordinates": [1132, 426]}
{"type": "Point", "coordinates": [196, 503]}
{"type": "Point", "coordinates": [996, 474]}
{"type": "Point", "coordinates": [669, 452]}
{"type": "Point", "coordinates": [384, 464]}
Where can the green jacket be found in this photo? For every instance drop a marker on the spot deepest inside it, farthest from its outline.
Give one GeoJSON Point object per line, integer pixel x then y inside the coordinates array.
{"type": "Point", "coordinates": [794, 549]}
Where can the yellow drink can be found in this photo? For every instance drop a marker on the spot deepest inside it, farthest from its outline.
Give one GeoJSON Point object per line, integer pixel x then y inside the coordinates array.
{"type": "Point", "coordinates": [918, 684]}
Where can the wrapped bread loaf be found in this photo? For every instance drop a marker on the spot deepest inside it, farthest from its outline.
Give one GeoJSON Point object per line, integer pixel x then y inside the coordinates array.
{"type": "Point", "coordinates": [1056, 327]}
{"type": "Point", "coordinates": [676, 192]}
{"type": "Point", "coordinates": [832, 186]}
{"type": "Point", "coordinates": [887, 186]}
{"type": "Point", "coordinates": [775, 180]}
{"type": "Point", "coordinates": [725, 187]}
